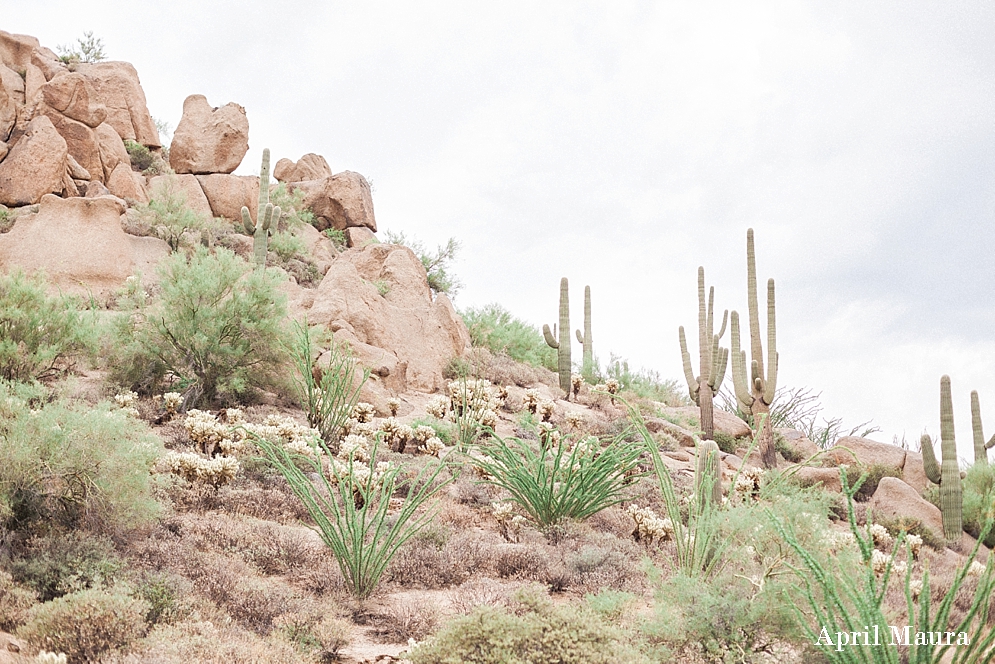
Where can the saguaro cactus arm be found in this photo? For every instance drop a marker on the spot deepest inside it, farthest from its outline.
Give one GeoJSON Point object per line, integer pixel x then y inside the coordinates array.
{"type": "Point", "coordinates": [712, 358]}
{"type": "Point", "coordinates": [980, 446]}
{"type": "Point", "coordinates": [693, 387]}
{"type": "Point", "coordinates": [550, 337]}
{"type": "Point", "coordinates": [742, 388]}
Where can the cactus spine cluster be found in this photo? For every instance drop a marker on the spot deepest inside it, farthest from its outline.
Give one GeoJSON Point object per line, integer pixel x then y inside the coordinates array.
{"type": "Point", "coordinates": [713, 358]}
{"type": "Point", "coordinates": [756, 395]}
{"type": "Point", "coordinates": [708, 475]}
{"type": "Point", "coordinates": [980, 446]}
{"type": "Point", "coordinates": [946, 475]}
{"type": "Point", "coordinates": [267, 216]}
{"type": "Point", "coordinates": [562, 345]}
{"type": "Point", "coordinates": [587, 369]}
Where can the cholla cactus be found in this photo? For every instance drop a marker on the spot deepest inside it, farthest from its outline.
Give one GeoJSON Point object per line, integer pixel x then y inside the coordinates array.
{"type": "Point", "coordinates": [478, 470]}
{"type": "Point", "coordinates": [915, 588]}
{"type": "Point", "coordinates": [45, 657]}
{"type": "Point", "coordinates": [205, 431]}
{"type": "Point", "coordinates": [194, 468]}
{"type": "Point", "coordinates": [882, 538]}
{"type": "Point", "coordinates": [356, 447]}
{"type": "Point", "coordinates": [545, 410]}
{"type": "Point", "coordinates": [748, 481]}
{"type": "Point", "coordinates": [612, 386]}
{"type": "Point", "coordinates": [837, 540]}
{"type": "Point", "coordinates": [364, 412]}
{"type": "Point", "coordinates": [548, 435]}
{"type": "Point", "coordinates": [438, 406]}
{"type": "Point", "coordinates": [574, 420]}
{"type": "Point", "coordinates": [576, 382]}
{"type": "Point", "coordinates": [532, 399]}
{"type": "Point", "coordinates": [171, 401]}
{"type": "Point", "coordinates": [434, 447]}
{"type": "Point", "coordinates": [393, 404]}
{"type": "Point", "coordinates": [488, 418]}
{"type": "Point", "coordinates": [915, 545]}
{"type": "Point", "coordinates": [976, 569]}
{"type": "Point", "coordinates": [358, 476]}
{"type": "Point", "coordinates": [396, 434]}
{"type": "Point", "coordinates": [649, 526]}
{"type": "Point", "coordinates": [879, 562]}
{"type": "Point", "coordinates": [126, 399]}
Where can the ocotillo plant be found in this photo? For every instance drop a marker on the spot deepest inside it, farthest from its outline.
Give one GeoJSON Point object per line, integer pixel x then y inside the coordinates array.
{"type": "Point", "coordinates": [267, 216]}
{"type": "Point", "coordinates": [587, 369]}
{"type": "Point", "coordinates": [708, 475]}
{"type": "Point", "coordinates": [713, 358]}
{"type": "Point", "coordinates": [757, 395]}
{"type": "Point", "coordinates": [562, 345]}
{"type": "Point", "coordinates": [980, 446]}
{"type": "Point", "coordinates": [947, 475]}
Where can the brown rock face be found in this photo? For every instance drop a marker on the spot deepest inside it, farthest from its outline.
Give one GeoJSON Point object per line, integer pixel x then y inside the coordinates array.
{"type": "Point", "coordinates": [8, 110]}
{"type": "Point", "coordinates": [228, 193]}
{"type": "Point", "coordinates": [35, 165]}
{"type": "Point", "coordinates": [341, 201]}
{"type": "Point", "coordinates": [127, 184]}
{"type": "Point", "coordinates": [81, 141]}
{"type": "Point", "coordinates": [913, 471]}
{"type": "Point", "coordinates": [421, 334]}
{"type": "Point", "coordinates": [16, 50]}
{"type": "Point", "coordinates": [117, 87]}
{"type": "Point", "coordinates": [80, 245]}
{"type": "Point", "coordinates": [12, 83]}
{"type": "Point", "coordinates": [725, 422]}
{"type": "Point", "coordinates": [74, 96]}
{"type": "Point", "coordinates": [187, 186]}
{"type": "Point", "coordinates": [112, 150]}
{"type": "Point", "coordinates": [868, 452]}
{"type": "Point", "coordinates": [208, 139]}
{"type": "Point", "coordinates": [359, 236]}
{"type": "Point", "coordinates": [310, 167]}
{"type": "Point", "coordinates": [894, 498]}
{"type": "Point", "coordinates": [829, 478]}
{"type": "Point", "coordinates": [799, 442]}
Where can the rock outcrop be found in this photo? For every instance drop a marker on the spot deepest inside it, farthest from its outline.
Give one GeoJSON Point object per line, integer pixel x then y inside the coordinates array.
{"type": "Point", "coordinates": [117, 87]}
{"type": "Point", "coordinates": [226, 194]}
{"type": "Point", "coordinates": [75, 97]}
{"type": "Point", "coordinates": [80, 244]}
{"type": "Point", "coordinates": [894, 498]}
{"type": "Point", "coordinates": [867, 452]}
{"type": "Point", "coordinates": [208, 139]}
{"type": "Point", "coordinates": [309, 167]}
{"type": "Point", "coordinates": [341, 201]}
{"type": "Point", "coordinates": [35, 166]}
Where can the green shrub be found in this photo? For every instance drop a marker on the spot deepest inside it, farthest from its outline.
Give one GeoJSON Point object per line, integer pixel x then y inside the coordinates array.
{"type": "Point", "coordinates": [141, 157]}
{"type": "Point", "coordinates": [15, 601]}
{"type": "Point", "coordinates": [40, 336]}
{"type": "Point", "coordinates": [286, 245]}
{"type": "Point", "coordinates": [979, 499]}
{"type": "Point", "coordinates": [291, 204]}
{"type": "Point", "coordinates": [726, 442]}
{"type": "Point", "coordinates": [217, 326]}
{"type": "Point", "coordinates": [65, 562]}
{"type": "Point", "coordinates": [874, 473]}
{"type": "Point", "coordinates": [645, 383]}
{"type": "Point", "coordinates": [167, 215]}
{"type": "Point", "coordinates": [87, 49]}
{"type": "Point", "coordinates": [76, 466]}
{"type": "Point", "coordinates": [494, 328]}
{"type": "Point", "coordinates": [436, 263]}
{"type": "Point", "coordinates": [537, 632]}
{"type": "Point", "coordinates": [6, 219]}
{"type": "Point", "coordinates": [86, 624]}
{"type": "Point", "coordinates": [337, 237]}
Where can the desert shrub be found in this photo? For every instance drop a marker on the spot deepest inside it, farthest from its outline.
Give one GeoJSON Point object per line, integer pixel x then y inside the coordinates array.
{"type": "Point", "coordinates": [216, 326]}
{"type": "Point", "coordinates": [979, 499]}
{"type": "Point", "coordinates": [73, 466]}
{"type": "Point", "coordinates": [571, 480]}
{"type": "Point", "coordinates": [611, 605]}
{"type": "Point", "coordinates": [6, 219]}
{"type": "Point", "coordinates": [166, 215]}
{"type": "Point", "coordinates": [645, 383]}
{"type": "Point", "coordinates": [338, 238]}
{"type": "Point", "coordinates": [494, 328]}
{"type": "Point", "coordinates": [286, 245]}
{"type": "Point", "coordinates": [87, 49]}
{"type": "Point", "coordinates": [164, 595]}
{"type": "Point", "coordinates": [537, 632]}
{"type": "Point", "coordinates": [313, 634]}
{"type": "Point", "coordinates": [291, 204]}
{"type": "Point", "coordinates": [873, 474]}
{"type": "Point", "coordinates": [40, 336]}
{"type": "Point", "coordinates": [725, 441]}
{"type": "Point", "coordinates": [406, 620]}
{"type": "Point", "coordinates": [86, 624]}
{"type": "Point", "coordinates": [65, 562]}
{"type": "Point", "coordinates": [141, 156]}
{"type": "Point", "coordinates": [15, 601]}
{"type": "Point", "coordinates": [203, 641]}
{"type": "Point", "coordinates": [437, 263]}
{"type": "Point", "coordinates": [427, 562]}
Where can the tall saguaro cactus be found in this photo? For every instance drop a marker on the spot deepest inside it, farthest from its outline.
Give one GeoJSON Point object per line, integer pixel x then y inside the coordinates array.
{"type": "Point", "coordinates": [562, 345]}
{"type": "Point", "coordinates": [980, 446]}
{"type": "Point", "coordinates": [946, 475]}
{"type": "Point", "coordinates": [267, 216]}
{"type": "Point", "coordinates": [588, 344]}
{"type": "Point", "coordinates": [756, 395]}
{"type": "Point", "coordinates": [713, 359]}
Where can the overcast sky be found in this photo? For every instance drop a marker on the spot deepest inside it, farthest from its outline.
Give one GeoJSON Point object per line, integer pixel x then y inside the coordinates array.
{"type": "Point", "coordinates": [623, 144]}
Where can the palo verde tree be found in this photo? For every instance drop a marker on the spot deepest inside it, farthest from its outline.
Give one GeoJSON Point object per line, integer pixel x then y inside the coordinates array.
{"type": "Point", "coordinates": [713, 359]}
{"type": "Point", "coordinates": [756, 394]}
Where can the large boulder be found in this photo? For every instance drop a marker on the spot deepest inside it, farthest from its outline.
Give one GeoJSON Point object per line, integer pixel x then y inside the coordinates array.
{"type": "Point", "coordinates": [208, 139]}
{"type": "Point", "coordinates": [8, 105]}
{"type": "Point", "coordinates": [16, 50]}
{"type": "Point", "coordinates": [894, 498]}
{"type": "Point", "coordinates": [799, 442]}
{"type": "Point", "coordinates": [827, 478]}
{"type": "Point", "coordinates": [421, 334]}
{"type": "Point", "coordinates": [73, 96]}
{"type": "Point", "coordinates": [725, 422]}
{"type": "Point", "coordinates": [12, 82]}
{"type": "Point", "coordinates": [112, 150]}
{"type": "Point", "coordinates": [80, 244]}
{"type": "Point", "coordinates": [867, 452]}
{"type": "Point", "coordinates": [228, 193]}
{"type": "Point", "coordinates": [914, 473]}
{"type": "Point", "coordinates": [35, 165]}
{"type": "Point", "coordinates": [81, 141]}
{"type": "Point", "coordinates": [117, 87]}
{"type": "Point", "coordinates": [185, 185]}
{"type": "Point", "coordinates": [309, 167]}
{"type": "Point", "coordinates": [341, 201]}
{"type": "Point", "coordinates": [127, 184]}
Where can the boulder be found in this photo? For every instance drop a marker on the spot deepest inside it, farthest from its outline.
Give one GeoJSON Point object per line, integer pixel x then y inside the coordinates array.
{"type": "Point", "coordinates": [97, 188]}
{"type": "Point", "coordinates": [423, 335]}
{"type": "Point", "coordinates": [208, 139]}
{"type": "Point", "coordinates": [127, 184]}
{"type": "Point", "coordinates": [310, 167]}
{"type": "Point", "coordinates": [868, 452]}
{"type": "Point", "coordinates": [799, 442]}
{"type": "Point", "coordinates": [48, 62]}
{"type": "Point", "coordinates": [117, 87]}
{"type": "Point", "coordinates": [894, 498]}
{"type": "Point", "coordinates": [80, 244]}
{"type": "Point", "coordinates": [76, 171]}
{"type": "Point", "coordinates": [186, 185]}
{"type": "Point", "coordinates": [4, 149]}
{"type": "Point", "coordinates": [318, 247]}
{"type": "Point", "coordinates": [829, 478]}
{"type": "Point", "coordinates": [359, 237]}
{"type": "Point", "coordinates": [112, 150]}
{"type": "Point", "coordinates": [16, 50]}
{"type": "Point", "coordinates": [81, 141]}
{"type": "Point", "coordinates": [8, 112]}
{"type": "Point", "coordinates": [74, 96]}
{"type": "Point", "coordinates": [35, 166]}
{"type": "Point", "coordinates": [34, 80]}
{"type": "Point", "coordinates": [678, 433]}
{"type": "Point", "coordinates": [12, 82]}
{"type": "Point", "coordinates": [341, 201]}
{"type": "Point", "coordinates": [228, 193]}
{"type": "Point", "coordinates": [914, 473]}
{"type": "Point", "coordinates": [725, 422]}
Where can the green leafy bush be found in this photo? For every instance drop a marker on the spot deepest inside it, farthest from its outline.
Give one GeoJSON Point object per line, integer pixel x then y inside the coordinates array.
{"type": "Point", "coordinates": [86, 624]}
{"type": "Point", "coordinates": [216, 326]}
{"type": "Point", "coordinates": [873, 475]}
{"type": "Point", "coordinates": [537, 632]}
{"type": "Point", "coordinates": [291, 203]}
{"type": "Point", "coordinates": [64, 562]}
{"type": "Point", "coordinates": [75, 466]}
{"type": "Point", "coordinates": [141, 157]}
{"type": "Point", "coordinates": [979, 499]}
{"type": "Point", "coordinates": [286, 245]}
{"type": "Point", "coordinates": [87, 49]}
{"type": "Point", "coordinates": [167, 215]}
{"type": "Point", "coordinates": [337, 237]}
{"type": "Point", "coordinates": [437, 264]}
{"type": "Point", "coordinates": [40, 336]}
{"type": "Point", "coordinates": [494, 328]}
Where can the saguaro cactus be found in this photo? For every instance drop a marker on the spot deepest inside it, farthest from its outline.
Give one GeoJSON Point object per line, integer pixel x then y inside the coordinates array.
{"type": "Point", "coordinates": [267, 216]}
{"type": "Point", "coordinates": [756, 395]}
{"type": "Point", "coordinates": [562, 345]}
{"type": "Point", "coordinates": [980, 446]}
{"type": "Point", "coordinates": [588, 367]}
{"type": "Point", "coordinates": [708, 475]}
{"type": "Point", "coordinates": [948, 474]}
{"type": "Point", "coordinates": [713, 359]}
